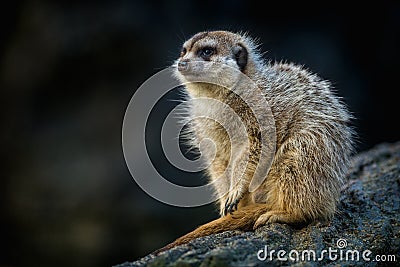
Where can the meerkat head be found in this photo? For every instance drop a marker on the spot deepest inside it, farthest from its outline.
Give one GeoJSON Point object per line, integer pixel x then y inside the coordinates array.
{"type": "Point", "coordinates": [217, 57]}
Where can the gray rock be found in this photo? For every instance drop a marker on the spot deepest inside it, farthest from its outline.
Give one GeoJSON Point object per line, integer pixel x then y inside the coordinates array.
{"type": "Point", "coordinates": [367, 220]}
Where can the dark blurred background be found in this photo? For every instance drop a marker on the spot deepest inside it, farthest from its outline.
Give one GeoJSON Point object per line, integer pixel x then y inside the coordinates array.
{"type": "Point", "coordinates": [68, 71]}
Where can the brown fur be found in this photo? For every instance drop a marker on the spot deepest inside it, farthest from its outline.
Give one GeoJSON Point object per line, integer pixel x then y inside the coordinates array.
{"type": "Point", "coordinates": [313, 139]}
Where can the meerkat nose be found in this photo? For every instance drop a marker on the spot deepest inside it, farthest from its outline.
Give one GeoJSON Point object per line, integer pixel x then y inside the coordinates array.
{"type": "Point", "coordinates": [183, 65]}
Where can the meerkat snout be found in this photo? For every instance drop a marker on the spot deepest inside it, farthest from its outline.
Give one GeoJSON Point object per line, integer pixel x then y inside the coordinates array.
{"type": "Point", "coordinates": [183, 65]}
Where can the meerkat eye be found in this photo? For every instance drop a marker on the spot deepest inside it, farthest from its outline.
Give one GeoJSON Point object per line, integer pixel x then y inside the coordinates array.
{"type": "Point", "coordinates": [183, 52]}
{"type": "Point", "coordinates": [206, 52]}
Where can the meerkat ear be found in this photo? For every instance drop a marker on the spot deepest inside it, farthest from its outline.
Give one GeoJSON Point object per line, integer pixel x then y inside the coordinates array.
{"type": "Point", "coordinates": [240, 53]}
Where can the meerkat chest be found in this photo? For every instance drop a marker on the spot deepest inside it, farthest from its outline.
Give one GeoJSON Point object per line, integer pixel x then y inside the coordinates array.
{"type": "Point", "coordinates": [220, 123]}
{"type": "Point", "coordinates": [208, 121]}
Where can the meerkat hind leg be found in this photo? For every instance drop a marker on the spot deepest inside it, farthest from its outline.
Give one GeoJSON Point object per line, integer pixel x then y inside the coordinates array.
{"type": "Point", "coordinates": [276, 216]}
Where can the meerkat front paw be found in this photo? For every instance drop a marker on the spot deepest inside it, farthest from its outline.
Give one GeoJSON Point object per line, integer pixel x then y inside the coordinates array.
{"type": "Point", "coordinates": [232, 201]}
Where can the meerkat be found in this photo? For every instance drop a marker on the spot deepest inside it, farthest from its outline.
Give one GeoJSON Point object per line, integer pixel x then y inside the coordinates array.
{"type": "Point", "coordinates": [314, 139]}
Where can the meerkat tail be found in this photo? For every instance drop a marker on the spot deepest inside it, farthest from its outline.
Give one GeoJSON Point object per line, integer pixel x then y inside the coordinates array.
{"type": "Point", "coordinates": [242, 219]}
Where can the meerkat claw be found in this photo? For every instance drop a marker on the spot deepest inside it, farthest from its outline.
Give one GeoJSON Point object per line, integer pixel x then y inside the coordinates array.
{"type": "Point", "coordinates": [233, 207]}
{"type": "Point", "coordinates": [226, 209]}
{"type": "Point", "coordinates": [230, 206]}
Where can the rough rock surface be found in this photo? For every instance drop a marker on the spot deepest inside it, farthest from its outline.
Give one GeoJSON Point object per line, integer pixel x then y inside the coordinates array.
{"type": "Point", "coordinates": [368, 218]}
